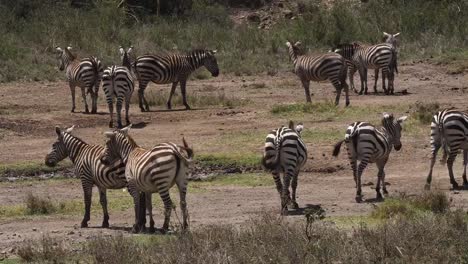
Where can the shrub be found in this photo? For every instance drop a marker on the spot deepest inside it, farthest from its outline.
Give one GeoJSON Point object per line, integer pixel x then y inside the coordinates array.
{"type": "Point", "coordinates": [46, 250]}
{"type": "Point", "coordinates": [39, 205]}
{"type": "Point", "coordinates": [425, 111]}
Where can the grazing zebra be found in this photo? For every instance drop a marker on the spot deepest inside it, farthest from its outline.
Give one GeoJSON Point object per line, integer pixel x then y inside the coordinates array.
{"type": "Point", "coordinates": [88, 168]}
{"type": "Point", "coordinates": [85, 73]}
{"type": "Point", "coordinates": [151, 170]}
{"type": "Point", "coordinates": [449, 130]}
{"type": "Point", "coordinates": [370, 144]}
{"type": "Point", "coordinates": [330, 66]}
{"type": "Point", "coordinates": [117, 82]}
{"type": "Point", "coordinates": [286, 153]}
{"type": "Point", "coordinates": [379, 56]}
{"type": "Point", "coordinates": [172, 68]}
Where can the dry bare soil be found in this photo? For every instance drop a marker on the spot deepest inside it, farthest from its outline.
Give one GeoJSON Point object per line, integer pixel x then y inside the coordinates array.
{"type": "Point", "coordinates": [30, 111]}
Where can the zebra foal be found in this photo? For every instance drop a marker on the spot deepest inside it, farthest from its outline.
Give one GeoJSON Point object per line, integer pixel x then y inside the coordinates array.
{"type": "Point", "coordinates": [449, 130]}
{"type": "Point", "coordinates": [151, 170]}
{"type": "Point", "coordinates": [85, 73]}
{"type": "Point", "coordinates": [118, 85]}
{"type": "Point", "coordinates": [88, 168]}
{"type": "Point", "coordinates": [285, 153]}
{"type": "Point", "coordinates": [330, 66]}
{"type": "Point", "coordinates": [370, 144]}
{"type": "Point", "coordinates": [171, 68]}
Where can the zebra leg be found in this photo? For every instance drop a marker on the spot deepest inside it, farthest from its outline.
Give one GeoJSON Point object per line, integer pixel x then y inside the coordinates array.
{"type": "Point", "coordinates": [174, 86]}
{"type": "Point", "coordinates": [110, 105]}
{"type": "Point", "coordinates": [72, 90]}
{"type": "Point", "coordinates": [88, 192]}
{"type": "Point", "coordinates": [285, 198]}
{"type": "Point", "coordinates": [83, 94]}
{"type": "Point", "coordinates": [376, 78]}
{"type": "Point", "coordinates": [380, 180]}
{"type": "Point", "coordinates": [136, 203]}
{"type": "Point", "coordinates": [184, 94]}
{"type": "Point", "coordinates": [365, 80]}
{"type": "Point", "coordinates": [305, 84]}
{"type": "Point", "coordinates": [119, 111]}
{"type": "Point", "coordinates": [127, 108]}
{"type": "Point", "coordinates": [149, 209]}
{"type": "Point", "coordinates": [277, 179]}
{"type": "Point", "coordinates": [361, 168]}
{"type": "Point", "coordinates": [450, 161]}
{"type": "Point", "coordinates": [94, 97]}
{"type": "Point", "coordinates": [361, 75]}
{"type": "Point", "coordinates": [385, 74]}
{"type": "Point", "coordinates": [167, 208]}
{"type": "Point", "coordinates": [144, 107]}
{"type": "Point", "coordinates": [103, 201]}
{"type": "Point", "coordinates": [182, 182]}
{"type": "Point", "coordinates": [435, 149]}
{"type": "Point", "coordinates": [294, 204]}
{"type": "Point", "coordinates": [465, 162]}
{"type": "Point", "coordinates": [352, 71]}
{"type": "Point", "coordinates": [391, 78]}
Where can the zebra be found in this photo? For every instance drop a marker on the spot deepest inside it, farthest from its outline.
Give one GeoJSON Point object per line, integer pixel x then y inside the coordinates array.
{"type": "Point", "coordinates": [449, 130]}
{"type": "Point", "coordinates": [370, 144]}
{"type": "Point", "coordinates": [88, 168]}
{"type": "Point", "coordinates": [286, 153]}
{"type": "Point", "coordinates": [151, 170]}
{"type": "Point", "coordinates": [391, 39]}
{"type": "Point", "coordinates": [363, 57]}
{"type": "Point", "coordinates": [117, 82]}
{"type": "Point", "coordinates": [171, 68]}
{"type": "Point", "coordinates": [85, 73]}
{"type": "Point", "coordinates": [330, 66]}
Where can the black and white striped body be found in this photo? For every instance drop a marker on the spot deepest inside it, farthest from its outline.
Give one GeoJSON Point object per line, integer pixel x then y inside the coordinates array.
{"type": "Point", "coordinates": [449, 130]}
{"type": "Point", "coordinates": [380, 56]}
{"type": "Point", "coordinates": [117, 83]}
{"type": "Point", "coordinates": [152, 170]}
{"type": "Point", "coordinates": [172, 68]}
{"type": "Point", "coordinates": [327, 67]}
{"type": "Point", "coordinates": [370, 144]}
{"type": "Point", "coordinates": [85, 73]}
{"type": "Point", "coordinates": [89, 169]}
{"type": "Point", "coordinates": [285, 153]}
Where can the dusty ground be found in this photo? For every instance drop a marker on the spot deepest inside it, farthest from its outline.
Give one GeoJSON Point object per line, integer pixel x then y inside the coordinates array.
{"type": "Point", "coordinates": [29, 112]}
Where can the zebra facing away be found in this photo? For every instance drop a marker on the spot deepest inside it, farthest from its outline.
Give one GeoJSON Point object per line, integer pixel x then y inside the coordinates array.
{"type": "Point", "coordinates": [171, 68]}
{"type": "Point", "coordinates": [117, 83]}
{"type": "Point", "coordinates": [151, 170]}
{"type": "Point", "coordinates": [449, 130]}
{"type": "Point", "coordinates": [285, 153]}
{"type": "Point", "coordinates": [85, 73]}
{"type": "Point", "coordinates": [371, 145]}
{"type": "Point", "coordinates": [393, 40]}
{"type": "Point", "coordinates": [88, 168]}
{"type": "Point", "coordinates": [363, 57]}
{"type": "Point", "coordinates": [330, 66]}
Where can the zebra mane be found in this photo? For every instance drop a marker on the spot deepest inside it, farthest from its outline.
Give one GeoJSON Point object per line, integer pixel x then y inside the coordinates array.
{"type": "Point", "coordinates": [74, 137]}
{"type": "Point", "coordinates": [197, 52]}
{"type": "Point", "coordinates": [127, 137]}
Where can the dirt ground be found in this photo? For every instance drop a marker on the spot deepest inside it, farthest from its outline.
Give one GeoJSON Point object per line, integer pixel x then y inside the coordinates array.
{"type": "Point", "coordinates": [29, 112]}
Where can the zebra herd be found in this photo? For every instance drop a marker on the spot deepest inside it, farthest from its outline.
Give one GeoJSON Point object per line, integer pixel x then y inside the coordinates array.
{"type": "Point", "coordinates": [122, 163]}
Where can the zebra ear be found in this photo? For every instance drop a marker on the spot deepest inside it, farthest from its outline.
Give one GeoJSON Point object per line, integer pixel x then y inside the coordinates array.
{"type": "Point", "coordinates": [386, 34]}
{"type": "Point", "coordinates": [298, 44]}
{"type": "Point", "coordinates": [121, 50]}
{"type": "Point", "coordinates": [59, 49]}
{"type": "Point", "coordinates": [396, 34]}
{"type": "Point", "coordinates": [69, 47]}
{"type": "Point", "coordinates": [130, 49]}
{"type": "Point", "coordinates": [109, 134]}
{"type": "Point", "coordinates": [402, 119]}
{"type": "Point", "coordinates": [291, 125]}
{"type": "Point", "coordinates": [126, 129]}
{"type": "Point", "coordinates": [70, 129]}
{"type": "Point", "coordinates": [288, 43]}
{"type": "Point", "coordinates": [214, 51]}
{"type": "Point", "coordinates": [57, 130]}
{"type": "Point", "coordinates": [299, 128]}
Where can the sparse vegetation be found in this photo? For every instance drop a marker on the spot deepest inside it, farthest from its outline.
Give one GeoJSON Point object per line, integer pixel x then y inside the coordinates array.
{"type": "Point", "coordinates": [425, 111]}
{"type": "Point", "coordinates": [39, 205]}
{"type": "Point", "coordinates": [247, 160]}
{"type": "Point", "coordinates": [31, 168]}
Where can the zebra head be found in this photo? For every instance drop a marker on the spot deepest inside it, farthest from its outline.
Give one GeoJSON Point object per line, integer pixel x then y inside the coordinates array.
{"type": "Point", "coordinates": [59, 150]}
{"type": "Point", "coordinates": [391, 39]}
{"type": "Point", "coordinates": [127, 57]}
{"type": "Point", "coordinates": [294, 49]}
{"type": "Point", "coordinates": [210, 62]}
{"type": "Point", "coordinates": [346, 50]}
{"type": "Point", "coordinates": [64, 57]}
{"type": "Point", "coordinates": [393, 127]}
{"type": "Point", "coordinates": [116, 144]}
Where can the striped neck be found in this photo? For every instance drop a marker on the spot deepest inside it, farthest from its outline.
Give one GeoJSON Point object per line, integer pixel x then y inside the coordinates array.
{"type": "Point", "coordinates": [66, 59]}
{"type": "Point", "coordinates": [195, 58]}
{"type": "Point", "coordinates": [293, 54]}
{"type": "Point", "coordinates": [348, 50]}
{"type": "Point", "coordinates": [389, 128]}
{"type": "Point", "coordinates": [124, 146]}
{"type": "Point", "coordinates": [73, 145]}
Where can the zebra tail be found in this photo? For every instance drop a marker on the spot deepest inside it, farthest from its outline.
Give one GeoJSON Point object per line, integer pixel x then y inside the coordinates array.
{"type": "Point", "coordinates": [271, 166]}
{"type": "Point", "coordinates": [337, 148]}
{"type": "Point", "coordinates": [187, 149]}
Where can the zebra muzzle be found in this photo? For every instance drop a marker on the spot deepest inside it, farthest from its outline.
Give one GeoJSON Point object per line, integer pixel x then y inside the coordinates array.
{"type": "Point", "coordinates": [397, 147]}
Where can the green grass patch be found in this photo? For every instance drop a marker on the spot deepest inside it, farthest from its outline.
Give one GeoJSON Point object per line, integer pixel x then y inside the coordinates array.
{"type": "Point", "coordinates": [316, 135]}
{"type": "Point", "coordinates": [246, 159]}
{"type": "Point", "coordinates": [244, 180]}
{"type": "Point", "coordinates": [31, 168]}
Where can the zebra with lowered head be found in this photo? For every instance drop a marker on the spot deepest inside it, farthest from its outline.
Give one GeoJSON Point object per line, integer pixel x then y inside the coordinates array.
{"type": "Point", "coordinates": [151, 170]}
{"type": "Point", "coordinates": [449, 130]}
{"type": "Point", "coordinates": [118, 84]}
{"type": "Point", "coordinates": [285, 153]}
{"type": "Point", "coordinates": [85, 73]}
{"type": "Point", "coordinates": [171, 68]}
{"type": "Point", "coordinates": [363, 57]}
{"type": "Point", "coordinates": [370, 144]}
{"type": "Point", "coordinates": [88, 168]}
{"type": "Point", "coordinates": [326, 67]}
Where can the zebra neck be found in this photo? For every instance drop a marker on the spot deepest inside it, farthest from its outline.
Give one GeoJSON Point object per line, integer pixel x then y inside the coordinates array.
{"type": "Point", "coordinates": [388, 135]}
{"type": "Point", "coordinates": [74, 146]}
{"type": "Point", "coordinates": [126, 148]}
{"type": "Point", "coordinates": [195, 60]}
{"type": "Point", "coordinates": [293, 56]}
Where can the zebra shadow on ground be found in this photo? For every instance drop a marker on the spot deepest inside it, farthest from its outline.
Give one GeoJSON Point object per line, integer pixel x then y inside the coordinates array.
{"type": "Point", "coordinates": [175, 110]}
{"type": "Point", "coordinates": [98, 113]}
{"type": "Point", "coordinates": [139, 125]}
{"type": "Point", "coordinates": [302, 210]}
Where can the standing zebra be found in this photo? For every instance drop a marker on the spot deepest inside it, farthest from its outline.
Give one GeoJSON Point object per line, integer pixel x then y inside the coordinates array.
{"type": "Point", "coordinates": [151, 170]}
{"type": "Point", "coordinates": [117, 82]}
{"type": "Point", "coordinates": [171, 68]}
{"type": "Point", "coordinates": [330, 66]}
{"type": "Point", "coordinates": [370, 144]}
{"type": "Point", "coordinates": [88, 168]}
{"type": "Point", "coordinates": [449, 130]}
{"type": "Point", "coordinates": [85, 73]}
{"type": "Point", "coordinates": [391, 39]}
{"type": "Point", "coordinates": [379, 56]}
{"type": "Point", "coordinates": [286, 153]}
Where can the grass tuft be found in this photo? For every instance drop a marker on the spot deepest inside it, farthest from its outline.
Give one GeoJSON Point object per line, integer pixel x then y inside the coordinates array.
{"type": "Point", "coordinates": [425, 111]}
{"type": "Point", "coordinates": [39, 205]}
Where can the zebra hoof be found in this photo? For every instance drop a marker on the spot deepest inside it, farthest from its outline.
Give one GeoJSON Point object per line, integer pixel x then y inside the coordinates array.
{"type": "Point", "coordinates": [169, 106]}
{"type": "Point", "coordinates": [427, 187]}
{"type": "Point", "coordinates": [111, 124]}
{"type": "Point", "coordinates": [455, 185]}
{"type": "Point", "coordinates": [84, 224]}
{"type": "Point", "coordinates": [105, 224]}
{"type": "Point", "coordinates": [73, 110]}
{"type": "Point", "coordinates": [187, 107]}
{"type": "Point", "coordinates": [151, 230]}
{"type": "Point", "coordinates": [136, 229]}
{"type": "Point", "coordinates": [294, 206]}
{"type": "Point", "coordinates": [119, 125]}
{"type": "Point", "coordinates": [358, 199]}
{"type": "Point", "coordinates": [284, 212]}
{"type": "Point", "coordinates": [385, 191]}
